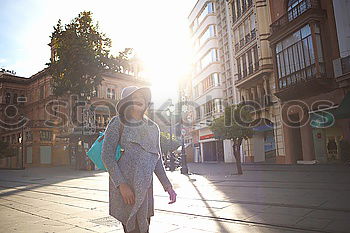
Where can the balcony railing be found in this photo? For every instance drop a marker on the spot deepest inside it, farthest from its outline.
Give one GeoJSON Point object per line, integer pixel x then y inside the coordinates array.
{"type": "Point", "coordinates": [250, 3]}
{"type": "Point", "coordinates": [246, 40]}
{"type": "Point", "coordinates": [241, 43]}
{"type": "Point", "coordinates": [256, 64]}
{"type": "Point", "coordinates": [294, 12]}
{"type": "Point", "coordinates": [236, 47]}
{"type": "Point", "coordinates": [253, 34]}
{"type": "Point", "coordinates": [345, 64]}
{"type": "Point", "coordinates": [250, 68]}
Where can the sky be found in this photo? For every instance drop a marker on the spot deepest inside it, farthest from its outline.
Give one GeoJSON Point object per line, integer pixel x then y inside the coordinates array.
{"type": "Point", "coordinates": [156, 29]}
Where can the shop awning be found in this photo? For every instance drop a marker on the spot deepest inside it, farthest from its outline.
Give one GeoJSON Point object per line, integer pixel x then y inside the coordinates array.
{"type": "Point", "coordinates": [343, 110]}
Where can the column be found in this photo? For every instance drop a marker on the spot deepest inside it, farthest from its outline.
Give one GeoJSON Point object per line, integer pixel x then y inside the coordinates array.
{"type": "Point", "coordinates": [288, 145]}
{"type": "Point", "coordinates": [307, 142]}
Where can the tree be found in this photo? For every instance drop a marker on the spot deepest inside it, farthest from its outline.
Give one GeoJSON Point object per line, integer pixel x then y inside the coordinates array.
{"type": "Point", "coordinates": [81, 54]}
{"type": "Point", "coordinates": [167, 145]}
{"type": "Point", "coordinates": [234, 125]}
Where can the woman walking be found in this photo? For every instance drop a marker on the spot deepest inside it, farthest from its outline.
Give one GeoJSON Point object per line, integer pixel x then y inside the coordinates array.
{"type": "Point", "coordinates": [131, 177]}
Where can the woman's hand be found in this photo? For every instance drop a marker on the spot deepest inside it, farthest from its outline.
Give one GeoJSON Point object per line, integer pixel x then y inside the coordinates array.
{"type": "Point", "coordinates": [127, 194]}
{"type": "Point", "coordinates": [172, 195]}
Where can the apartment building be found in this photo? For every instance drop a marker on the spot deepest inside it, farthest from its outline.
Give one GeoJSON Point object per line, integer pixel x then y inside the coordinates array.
{"type": "Point", "coordinates": [254, 78]}
{"type": "Point", "coordinates": [29, 112]}
{"type": "Point", "coordinates": [310, 52]}
{"type": "Point", "coordinates": [208, 24]}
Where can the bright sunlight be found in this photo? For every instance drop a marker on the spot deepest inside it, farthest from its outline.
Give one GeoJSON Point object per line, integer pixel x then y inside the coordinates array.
{"type": "Point", "coordinates": [156, 29]}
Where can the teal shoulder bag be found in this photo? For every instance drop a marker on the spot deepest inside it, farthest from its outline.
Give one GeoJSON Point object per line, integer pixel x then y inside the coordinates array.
{"type": "Point", "coordinates": [95, 150]}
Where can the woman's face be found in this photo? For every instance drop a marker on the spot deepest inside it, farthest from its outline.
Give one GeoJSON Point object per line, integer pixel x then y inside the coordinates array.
{"type": "Point", "coordinates": [139, 102]}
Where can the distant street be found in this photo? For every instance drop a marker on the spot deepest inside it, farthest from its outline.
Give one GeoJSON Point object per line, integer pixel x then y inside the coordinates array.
{"type": "Point", "coordinates": [266, 198]}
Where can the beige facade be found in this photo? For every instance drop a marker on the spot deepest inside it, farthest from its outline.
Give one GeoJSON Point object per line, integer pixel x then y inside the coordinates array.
{"type": "Point", "coordinates": [44, 144]}
{"type": "Point", "coordinates": [254, 78]}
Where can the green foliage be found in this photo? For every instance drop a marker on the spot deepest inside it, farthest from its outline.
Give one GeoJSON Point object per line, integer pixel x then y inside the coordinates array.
{"type": "Point", "coordinates": [6, 150]}
{"type": "Point", "coordinates": [167, 145]}
{"type": "Point", "coordinates": [235, 124]}
{"type": "Point", "coordinates": [81, 56]}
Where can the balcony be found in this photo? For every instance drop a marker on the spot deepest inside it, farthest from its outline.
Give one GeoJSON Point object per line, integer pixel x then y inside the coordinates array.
{"type": "Point", "coordinates": [241, 43]}
{"type": "Point", "coordinates": [236, 47]}
{"type": "Point", "coordinates": [300, 14]}
{"type": "Point", "coordinates": [345, 64]}
{"type": "Point", "coordinates": [246, 40]}
{"type": "Point", "coordinates": [253, 34]}
{"type": "Point", "coordinates": [249, 76]}
{"type": "Point", "coordinates": [341, 68]}
{"type": "Point", "coordinates": [305, 82]}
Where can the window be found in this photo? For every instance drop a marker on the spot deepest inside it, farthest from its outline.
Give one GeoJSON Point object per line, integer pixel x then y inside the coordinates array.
{"type": "Point", "coordinates": [244, 5]}
{"type": "Point", "coordinates": [208, 108]}
{"type": "Point", "coordinates": [108, 93]}
{"type": "Point", "coordinates": [113, 94]}
{"type": "Point", "coordinates": [209, 9]}
{"type": "Point", "coordinates": [295, 57]}
{"type": "Point", "coordinates": [41, 92]}
{"type": "Point", "coordinates": [210, 57]}
{"type": "Point", "coordinates": [252, 26]}
{"type": "Point", "coordinates": [244, 65]}
{"type": "Point", "coordinates": [216, 79]}
{"type": "Point", "coordinates": [198, 113]}
{"type": "Point", "coordinates": [95, 92]}
{"type": "Point", "coordinates": [29, 136]}
{"type": "Point", "coordinates": [256, 57]}
{"type": "Point", "coordinates": [250, 3]}
{"type": "Point", "coordinates": [196, 91]}
{"type": "Point", "coordinates": [211, 81]}
{"type": "Point", "coordinates": [210, 32]}
{"type": "Point", "coordinates": [241, 36]}
{"type": "Point", "coordinates": [238, 7]}
{"type": "Point", "coordinates": [234, 18]}
{"type": "Point", "coordinates": [236, 40]}
{"type": "Point", "coordinates": [15, 98]}
{"type": "Point", "coordinates": [213, 106]}
{"type": "Point", "coordinates": [45, 135]}
{"type": "Point", "coordinates": [250, 62]}
{"type": "Point", "coordinates": [8, 98]}
{"type": "Point", "coordinates": [247, 30]}
{"type": "Point", "coordinates": [239, 69]}
{"type": "Point", "coordinates": [218, 104]}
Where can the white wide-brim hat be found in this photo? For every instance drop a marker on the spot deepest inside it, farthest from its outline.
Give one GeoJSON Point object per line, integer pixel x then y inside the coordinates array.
{"type": "Point", "coordinates": [128, 91]}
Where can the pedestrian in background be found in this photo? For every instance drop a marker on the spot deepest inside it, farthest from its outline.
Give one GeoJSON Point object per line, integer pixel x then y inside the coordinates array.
{"type": "Point", "coordinates": [131, 198]}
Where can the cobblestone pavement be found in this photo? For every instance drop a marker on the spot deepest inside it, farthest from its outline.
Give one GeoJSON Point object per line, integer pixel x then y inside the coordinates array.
{"type": "Point", "coordinates": [266, 198]}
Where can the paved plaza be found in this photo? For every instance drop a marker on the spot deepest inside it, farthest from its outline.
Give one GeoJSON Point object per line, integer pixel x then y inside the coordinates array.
{"type": "Point", "coordinates": [266, 198]}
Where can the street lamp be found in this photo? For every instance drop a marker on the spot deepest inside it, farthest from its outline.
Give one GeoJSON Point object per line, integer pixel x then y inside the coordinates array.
{"type": "Point", "coordinates": [184, 168]}
{"type": "Point", "coordinates": [170, 111]}
{"type": "Point", "coordinates": [22, 143]}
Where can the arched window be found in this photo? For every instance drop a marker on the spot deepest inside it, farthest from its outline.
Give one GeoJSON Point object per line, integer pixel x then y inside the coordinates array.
{"type": "Point", "coordinates": [95, 92]}
{"type": "Point", "coordinates": [108, 93]}
{"type": "Point", "coordinates": [8, 98]}
{"type": "Point", "coordinates": [113, 94]}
